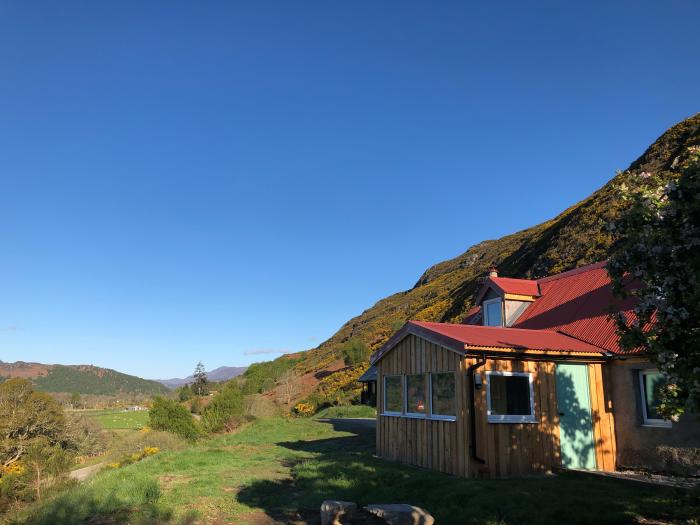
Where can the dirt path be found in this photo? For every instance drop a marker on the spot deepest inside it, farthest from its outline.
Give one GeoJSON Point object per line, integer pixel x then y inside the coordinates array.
{"type": "Point", "coordinates": [84, 473]}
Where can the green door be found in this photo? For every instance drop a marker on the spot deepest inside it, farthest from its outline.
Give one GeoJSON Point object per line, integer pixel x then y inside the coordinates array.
{"type": "Point", "coordinates": [575, 422]}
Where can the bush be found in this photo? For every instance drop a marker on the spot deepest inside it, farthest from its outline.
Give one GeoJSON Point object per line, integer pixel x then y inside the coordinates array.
{"type": "Point", "coordinates": [261, 377]}
{"type": "Point", "coordinates": [169, 415]}
{"type": "Point", "coordinates": [225, 411]}
{"type": "Point", "coordinates": [355, 352]}
{"type": "Point", "coordinates": [304, 409]}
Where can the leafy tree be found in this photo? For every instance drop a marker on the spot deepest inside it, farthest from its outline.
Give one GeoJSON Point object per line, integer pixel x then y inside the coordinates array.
{"type": "Point", "coordinates": [184, 393]}
{"type": "Point", "coordinates": [200, 387]}
{"type": "Point", "coordinates": [46, 460]}
{"type": "Point", "coordinates": [657, 261]}
{"type": "Point", "coordinates": [171, 416]}
{"type": "Point", "coordinates": [75, 400]}
{"type": "Point", "coordinates": [262, 377]}
{"type": "Point", "coordinates": [355, 352]}
{"type": "Point", "coordinates": [25, 415]}
{"type": "Point", "coordinates": [226, 406]}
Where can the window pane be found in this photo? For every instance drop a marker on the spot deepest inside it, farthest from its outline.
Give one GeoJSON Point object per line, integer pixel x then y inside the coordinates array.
{"type": "Point", "coordinates": [653, 382]}
{"type": "Point", "coordinates": [443, 394]}
{"type": "Point", "coordinates": [493, 314]}
{"type": "Point", "coordinates": [415, 394]}
{"type": "Point", "coordinates": [510, 395]}
{"type": "Point", "coordinates": [392, 394]}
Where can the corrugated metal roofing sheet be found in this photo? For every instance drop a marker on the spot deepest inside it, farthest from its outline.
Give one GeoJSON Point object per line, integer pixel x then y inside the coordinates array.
{"type": "Point", "coordinates": [491, 336]}
{"type": "Point", "coordinates": [516, 286]}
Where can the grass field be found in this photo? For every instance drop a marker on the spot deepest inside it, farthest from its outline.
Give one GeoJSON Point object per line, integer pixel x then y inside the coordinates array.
{"type": "Point", "coordinates": [273, 468]}
{"type": "Point", "coordinates": [118, 419]}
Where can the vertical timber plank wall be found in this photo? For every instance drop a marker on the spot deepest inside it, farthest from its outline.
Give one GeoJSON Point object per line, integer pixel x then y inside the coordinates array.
{"type": "Point", "coordinates": [603, 420]}
{"type": "Point", "coordinates": [431, 443]}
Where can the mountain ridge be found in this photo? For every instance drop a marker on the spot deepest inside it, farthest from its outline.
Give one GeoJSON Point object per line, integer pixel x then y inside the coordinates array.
{"type": "Point", "coordinates": [79, 379]}
{"type": "Point", "coordinates": [222, 373]}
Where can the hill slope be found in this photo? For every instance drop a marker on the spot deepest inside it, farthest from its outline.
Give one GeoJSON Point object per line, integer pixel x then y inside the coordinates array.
{"type": "Point", "coordinates": [81, 379]}
{"type": "Point", "coordinates": [444, 292]}
{"type": "Point", "coordinates": [223, 373]}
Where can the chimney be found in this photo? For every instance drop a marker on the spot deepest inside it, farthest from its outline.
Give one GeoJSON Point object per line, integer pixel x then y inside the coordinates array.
{"type": "Point", "coordinates": [493, 272]}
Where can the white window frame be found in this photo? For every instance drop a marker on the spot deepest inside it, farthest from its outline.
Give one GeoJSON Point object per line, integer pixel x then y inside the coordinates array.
{"type": "Point", "coordinates": [647, 421]}
{"type": "Point", "coordinates": [485, 309]}
{"type": "Point", "coordinates": [510, 418]}
{"type": "Point", "coordinates": [416, 415]}
{"type": "Point", "coordinates": [442, 417]}
{"type": "Point", "coordinates": [386, 412]}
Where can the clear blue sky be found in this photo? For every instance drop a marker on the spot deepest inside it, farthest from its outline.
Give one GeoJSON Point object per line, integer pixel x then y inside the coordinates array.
{"type": "Point", "coordinates": [214, 180]}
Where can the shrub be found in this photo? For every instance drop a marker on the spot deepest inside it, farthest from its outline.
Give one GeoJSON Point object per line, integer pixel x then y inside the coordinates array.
{"type": "Point", "coordinates": [304, 409]}
{"type": "Point", "coordinates": [169, 415]}
{"type": "Point", "coordinates": [225, 411]}
{"type": "Point", "coordinates": [355, 352]}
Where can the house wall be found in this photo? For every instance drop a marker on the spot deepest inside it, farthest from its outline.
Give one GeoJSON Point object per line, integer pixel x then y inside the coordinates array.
{"type": "Point", "coordinates": [506, 449]}
{"type": "Point", "coordinates": [663, 449]}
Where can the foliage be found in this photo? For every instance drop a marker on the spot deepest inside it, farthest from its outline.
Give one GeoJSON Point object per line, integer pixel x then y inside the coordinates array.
{"type": "Point", "coordinates": [135, 442]}
{"type": "Point", "coordinates": [355, 352]}
{"type": "Point", "coordinates": [169, 415]}
{"type": "Point", "coordinates": [200, 387]}
{"type": "Point", "coordinates": [84, 436]}
{"type": "Point", "coordinates": [26, 415]}
{"type": "Point", "coordinates": [304, 409]}
{"type": "Point", "coordinates": [133, 457]}
{"type": "Point", "coordinates": [657, 261]}
{"type": "Point", "coordinates": [225, 409]}
{"type": "Point", "coordinates": [184, 393]}
{"type": "Point", "coordinates": [95, 380]}
{"type": "Point", "coordinates": [262, 377]}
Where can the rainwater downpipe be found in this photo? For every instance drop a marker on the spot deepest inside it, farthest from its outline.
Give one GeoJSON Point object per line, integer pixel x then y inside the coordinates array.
{"type": "Point", "coordinates": [472, 373]}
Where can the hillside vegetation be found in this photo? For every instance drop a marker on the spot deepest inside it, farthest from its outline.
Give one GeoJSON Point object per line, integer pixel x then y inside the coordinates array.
{"type": "Point", "coordinates": [576, 237]}
{"type": "Point", "coordinates": [80, 379]}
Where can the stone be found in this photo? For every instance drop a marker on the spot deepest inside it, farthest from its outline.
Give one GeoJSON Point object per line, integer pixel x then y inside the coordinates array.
{"type": "Point", "coordinates": [401, 514]}
{"type": "Point", "coordinates": [332, 511]}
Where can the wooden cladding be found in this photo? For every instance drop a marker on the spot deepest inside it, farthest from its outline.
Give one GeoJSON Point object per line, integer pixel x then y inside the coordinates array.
{"type": "Point", "coordinates": [507, 449]}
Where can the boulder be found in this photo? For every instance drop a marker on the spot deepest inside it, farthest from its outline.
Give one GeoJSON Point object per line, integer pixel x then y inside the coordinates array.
{"type": "Point", "coordinates": [401, 514]}
{"type": "Point", "coordinates": [332, 511]}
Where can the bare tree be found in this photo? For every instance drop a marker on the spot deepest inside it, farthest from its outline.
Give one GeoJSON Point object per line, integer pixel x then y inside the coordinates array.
{"type": "Point", "coordinates": [288, 388]}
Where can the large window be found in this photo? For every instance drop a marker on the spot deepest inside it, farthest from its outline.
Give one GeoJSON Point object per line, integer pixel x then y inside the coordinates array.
{"type": "Point", "coordinates": [415, 395]}
{"type": "Point", "coordinates": [493, 312]}
{"type": "Point", "coordinates": [650, 382]}
{"type": "Point", "coordinates": [393, 395]}
{"type": "Point", "coordinates": [442, 393]}
{"type": "Point", "coordinates": [510, 397]}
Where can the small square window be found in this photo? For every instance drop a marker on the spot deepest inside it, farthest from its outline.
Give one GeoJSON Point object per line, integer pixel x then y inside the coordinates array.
{"type": "Point", "coordinates": [510, 397]}
{"type": "Point", "coordinates": [443, 394]}
{"type": "Point", "coordinates": [415, 394]}
{"type": "Point", "coordinates": [393, 395]}
{"type": "Point", "coordinates": [493, 312]}
{"type": "Point", "coordinates": [650, 382]}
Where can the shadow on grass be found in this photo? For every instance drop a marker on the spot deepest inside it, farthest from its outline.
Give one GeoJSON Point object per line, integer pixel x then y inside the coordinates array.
{"type": "Point", "coordinates": [344, 468]}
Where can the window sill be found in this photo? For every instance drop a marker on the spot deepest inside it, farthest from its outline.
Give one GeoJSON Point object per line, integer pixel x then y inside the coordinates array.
{"type": "Point", "coordinates": [512, 421]}
{"type": "Point", "coordinates": [658, 425]}
{"type": "Point", "coordinates": [414, 416]}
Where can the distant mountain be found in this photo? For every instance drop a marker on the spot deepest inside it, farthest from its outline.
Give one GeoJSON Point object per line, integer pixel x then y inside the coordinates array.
{"type": "Point", "coordinates": [223, 373]}
{"type": "Point", "coordinates": [81, 379]}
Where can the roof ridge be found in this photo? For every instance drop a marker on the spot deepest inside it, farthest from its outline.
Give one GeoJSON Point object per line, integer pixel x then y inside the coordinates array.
{"type": "Point", "coordinates": [574, 271]}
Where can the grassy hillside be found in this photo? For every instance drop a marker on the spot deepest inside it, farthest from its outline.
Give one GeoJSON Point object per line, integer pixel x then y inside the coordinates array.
{"type": "Point", "coordinates": [81, 379]}
{"type": "Point", "coordinates": [576, 237]}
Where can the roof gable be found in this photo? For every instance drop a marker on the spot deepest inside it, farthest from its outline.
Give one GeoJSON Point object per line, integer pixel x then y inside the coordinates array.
{"type": "Point", "coordinates": [508, 285]}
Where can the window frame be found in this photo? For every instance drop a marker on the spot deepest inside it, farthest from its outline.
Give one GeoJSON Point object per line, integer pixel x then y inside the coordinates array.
{"type": "Point", "coordinates": [484, 307]}
{"type": "Point", "coordinates": [386, 412]}
{"type": "Point", "coordinates": [442, 417]}
{"type": "Point", "coordinates": [428, 408]}
{"type": "Point", "coordinates": [646, 420]}
{"type": "Point", "coordinates": [510, 418]}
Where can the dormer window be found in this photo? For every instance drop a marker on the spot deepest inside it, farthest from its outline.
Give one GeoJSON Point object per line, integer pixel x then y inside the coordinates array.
{"type": "Point", "coordinates": [493, 312]}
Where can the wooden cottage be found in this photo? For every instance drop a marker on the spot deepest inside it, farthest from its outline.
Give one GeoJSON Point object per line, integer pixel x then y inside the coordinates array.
{"type": "Point", "coordinates": [526, 385]}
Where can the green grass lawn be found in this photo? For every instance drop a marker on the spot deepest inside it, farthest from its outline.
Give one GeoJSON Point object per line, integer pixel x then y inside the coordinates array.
{"type": "Point", "coordinates": [351, 411]}
{"type": "Point", "coordinates": [270, 469]}
{"type": "Point", "coordinates": [112, 419]}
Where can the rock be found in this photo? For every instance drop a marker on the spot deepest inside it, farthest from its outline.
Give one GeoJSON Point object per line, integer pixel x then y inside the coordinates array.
{"type": "Point", "coordinates": [401, 514]}
{"type": "Point", "coordinates": [332, 511]}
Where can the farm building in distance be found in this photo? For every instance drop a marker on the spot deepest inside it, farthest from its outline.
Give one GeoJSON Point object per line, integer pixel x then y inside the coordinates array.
{"type": "Point", "coordinates": [534, 380]}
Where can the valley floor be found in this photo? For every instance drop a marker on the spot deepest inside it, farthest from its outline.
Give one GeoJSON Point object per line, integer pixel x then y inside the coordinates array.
{"type": "Point", "coordinates": [279, 471]}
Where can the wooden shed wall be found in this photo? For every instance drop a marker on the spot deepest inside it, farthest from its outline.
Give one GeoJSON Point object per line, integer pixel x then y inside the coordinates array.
{"type": "Point", "coordinates": [507, 449]}
{"type": "Point", "coordinates": [436, 444]}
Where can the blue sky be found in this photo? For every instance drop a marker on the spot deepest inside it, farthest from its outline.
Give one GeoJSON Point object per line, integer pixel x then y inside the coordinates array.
{"type": "Point", "coordinates": [226, 181]}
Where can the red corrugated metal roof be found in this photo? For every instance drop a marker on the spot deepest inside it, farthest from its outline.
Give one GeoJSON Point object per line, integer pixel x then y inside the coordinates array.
{"type": "Point", "coordinates": [516, 286]}
{"type": "Point", "coordinates": [577, 303]}
{"type": "Point", "coordinates": [490, 336]}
